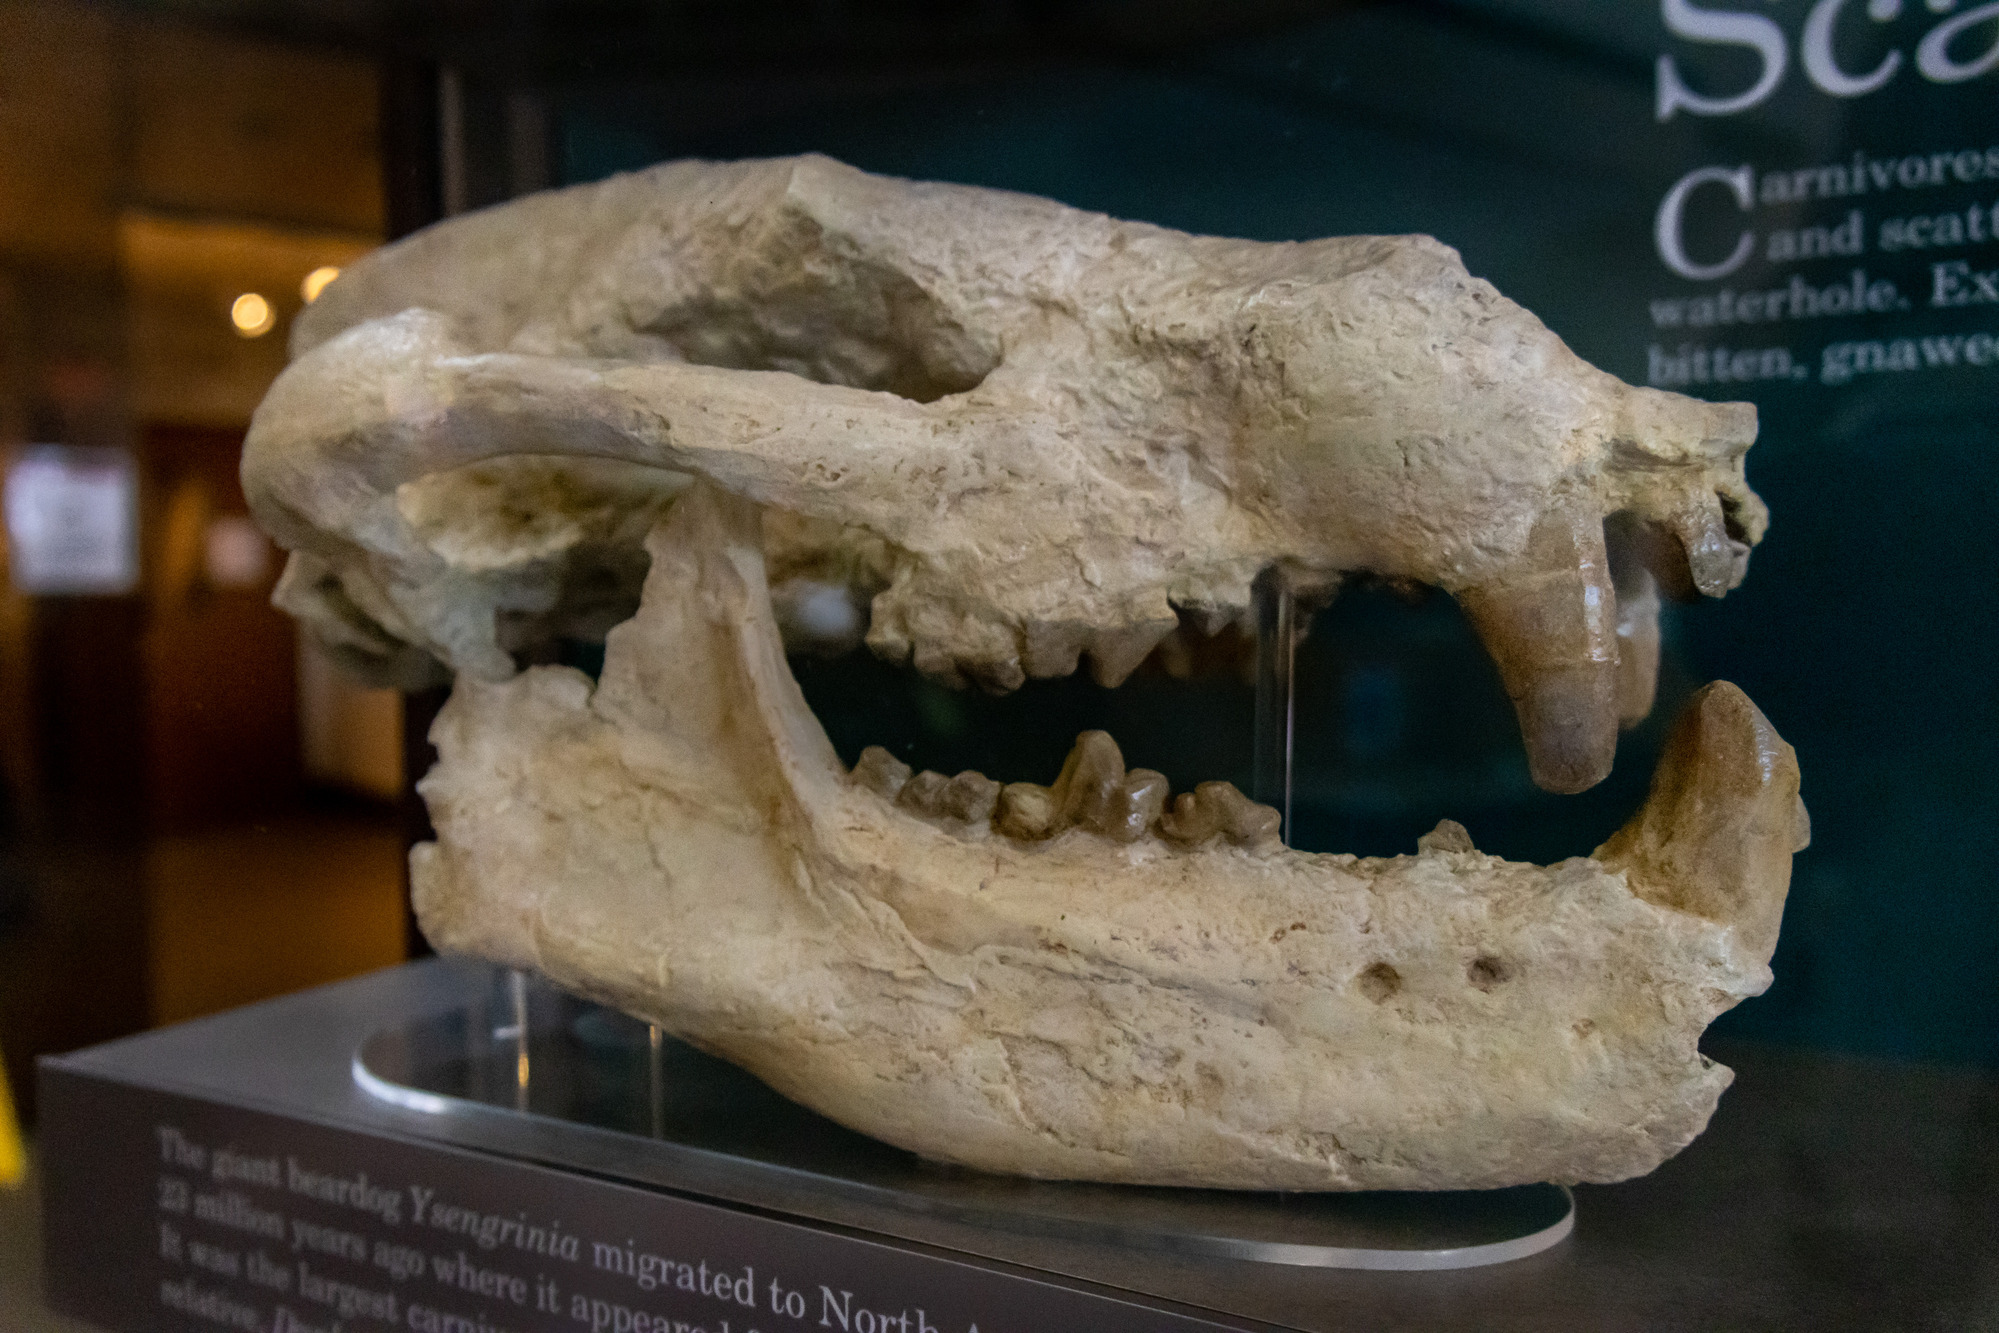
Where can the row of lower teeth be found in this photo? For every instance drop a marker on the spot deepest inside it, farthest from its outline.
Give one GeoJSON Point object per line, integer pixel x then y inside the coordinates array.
{"type": "Point", "coordinates": [1095, 792]}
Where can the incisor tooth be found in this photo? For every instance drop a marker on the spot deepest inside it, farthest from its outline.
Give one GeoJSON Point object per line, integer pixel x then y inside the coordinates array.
{"type": "Point", "coordinates": [879, 771]}
{"type": "Point", "coordinates": [1716, 561]}
{"type": "Point", "coordinates": [1549, 624]}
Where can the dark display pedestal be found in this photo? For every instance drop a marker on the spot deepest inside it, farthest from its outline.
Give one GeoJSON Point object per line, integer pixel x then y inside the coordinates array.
{"type": "Point", "coordinates": [377, 1154]}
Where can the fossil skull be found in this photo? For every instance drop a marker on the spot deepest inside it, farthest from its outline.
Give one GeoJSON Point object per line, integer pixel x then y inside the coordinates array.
{"type": "Point", "coordinates": [791, 400]}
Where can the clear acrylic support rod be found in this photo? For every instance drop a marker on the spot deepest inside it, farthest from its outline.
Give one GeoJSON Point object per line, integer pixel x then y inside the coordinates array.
{"type": "Point", "coordinates": [517, 993]}
{"type": "Point", "coordinates": [655, 1081]}
{"type": "Point", "coordinates": [1276, 647]}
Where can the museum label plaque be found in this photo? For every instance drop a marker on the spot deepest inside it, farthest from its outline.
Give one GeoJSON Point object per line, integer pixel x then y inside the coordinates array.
{"type": "Point", "coordinates": [172, 1212]}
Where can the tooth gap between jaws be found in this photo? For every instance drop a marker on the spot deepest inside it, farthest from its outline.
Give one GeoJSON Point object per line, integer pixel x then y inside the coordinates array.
{"type": "Point", "coordinates": [1094, 793]}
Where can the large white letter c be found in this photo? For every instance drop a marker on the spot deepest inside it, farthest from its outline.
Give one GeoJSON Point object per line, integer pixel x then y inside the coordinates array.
{"type": "Point", "coordinates": [1666, 226]}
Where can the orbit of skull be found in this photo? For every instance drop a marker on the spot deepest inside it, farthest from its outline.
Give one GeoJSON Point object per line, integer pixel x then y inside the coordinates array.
{"type": "Point", "coordinates": [708, 409]}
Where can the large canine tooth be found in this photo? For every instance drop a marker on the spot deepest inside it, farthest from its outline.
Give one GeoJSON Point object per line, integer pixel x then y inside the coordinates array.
{"type": "Point", "coordinates": [1115, 654]}
{"type": "Point", "coordinates": [1716, 835]}
{"type": "Point", "coordinates": [1549, 625]}
{"type": "Point", "coordinates": [881, 772]}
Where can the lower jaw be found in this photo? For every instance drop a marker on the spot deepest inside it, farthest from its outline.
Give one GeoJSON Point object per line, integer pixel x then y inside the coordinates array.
{"type": "Point", "coordinates": [681, 842]}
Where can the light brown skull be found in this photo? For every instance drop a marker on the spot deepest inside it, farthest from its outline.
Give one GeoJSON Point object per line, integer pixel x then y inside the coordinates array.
{"type": "Point", "coordinates": [1007, 435]}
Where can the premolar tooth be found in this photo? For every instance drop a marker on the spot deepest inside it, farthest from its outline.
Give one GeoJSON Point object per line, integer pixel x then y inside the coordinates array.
{"type": "Point", "coordinates": [1115, 654]}
{"type": "Point", "coordinates": [1448, 836]}
{"type": "Point", "coordinates": [1049, 648]}
{"type": "Point", "coordinates": [881, 772]}
{"type": "Point", "coordinates": [1086, 793]}
{"type": "Point", "coordinates": [1140, 799]}
{"type": "Point", "coordinates": [1026, 811]}
{"type": "Point", "coordinates": [1217, 809]}
{"type": "Point", "coordinates": [1549, 624]}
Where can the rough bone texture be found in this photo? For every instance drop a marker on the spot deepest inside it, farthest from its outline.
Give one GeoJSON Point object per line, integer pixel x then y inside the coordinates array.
{"type": "Point", "coordinates": [1002, 438]}
{"type": "Point", "coordinates": [1026, 433]}
{"type": "Point", "coordinates": [682, 843]}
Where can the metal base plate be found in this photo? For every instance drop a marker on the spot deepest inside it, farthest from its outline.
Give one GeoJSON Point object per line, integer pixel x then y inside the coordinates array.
{"type": "Point", "coordinates": [525, 1051]}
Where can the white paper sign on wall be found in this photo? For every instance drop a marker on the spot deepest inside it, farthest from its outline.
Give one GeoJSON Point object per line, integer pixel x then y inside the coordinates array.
{"type": "Point", "coordinates": [72, 520]}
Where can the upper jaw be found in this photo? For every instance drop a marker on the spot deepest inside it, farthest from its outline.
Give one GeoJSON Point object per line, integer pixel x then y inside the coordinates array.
{"type": "Point", "coordinates": [999, 558]}
{"type": "Point", "coordinates": [683, 842]}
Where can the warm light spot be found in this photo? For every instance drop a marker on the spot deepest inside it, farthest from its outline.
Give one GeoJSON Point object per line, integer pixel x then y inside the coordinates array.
{"type": "Point", "coordinates": [315, 282]}
{"type": "Point", "coordinates": [252, 315]}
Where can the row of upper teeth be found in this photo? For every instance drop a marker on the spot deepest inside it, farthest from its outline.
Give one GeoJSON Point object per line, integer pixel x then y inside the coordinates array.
{"type": "Point", "coordinates": [1095, 792]}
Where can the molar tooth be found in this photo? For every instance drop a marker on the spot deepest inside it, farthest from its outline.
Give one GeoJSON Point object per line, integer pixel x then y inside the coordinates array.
{"type": "Point", "coordinates": [1217, 809]}
{"type": "Point", "coordinates": [1549, 625]}
{"type": "Point", "coordinates": [1026, 811]}
{"type": "Point", "coordinates": [1086, 793]}
{"type": "Point", "coordinates": [1115, 654]}
{"type": "Point", "coordinates": [1190, 822]}
{"type": "Point", "coordinates": [881, 772]}
{"type": "Point", "coordinates": [924, 793]}
{"type": "Point", "coordinates": [968, 798]}
{"type": "Point", "coordinates": [971, 796]}
{"type": "Point", "coordinates": [1244, 822]}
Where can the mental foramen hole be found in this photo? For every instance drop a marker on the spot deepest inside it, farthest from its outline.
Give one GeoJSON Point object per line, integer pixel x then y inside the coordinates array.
{"type": "Point", "coordinates": [1486, 972]}
{"type": "Point", "coordinates": [1379, 982]}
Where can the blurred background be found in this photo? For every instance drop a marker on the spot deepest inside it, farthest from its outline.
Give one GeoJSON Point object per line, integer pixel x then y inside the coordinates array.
{"type": "Point", "coordinates": [196, 812]}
